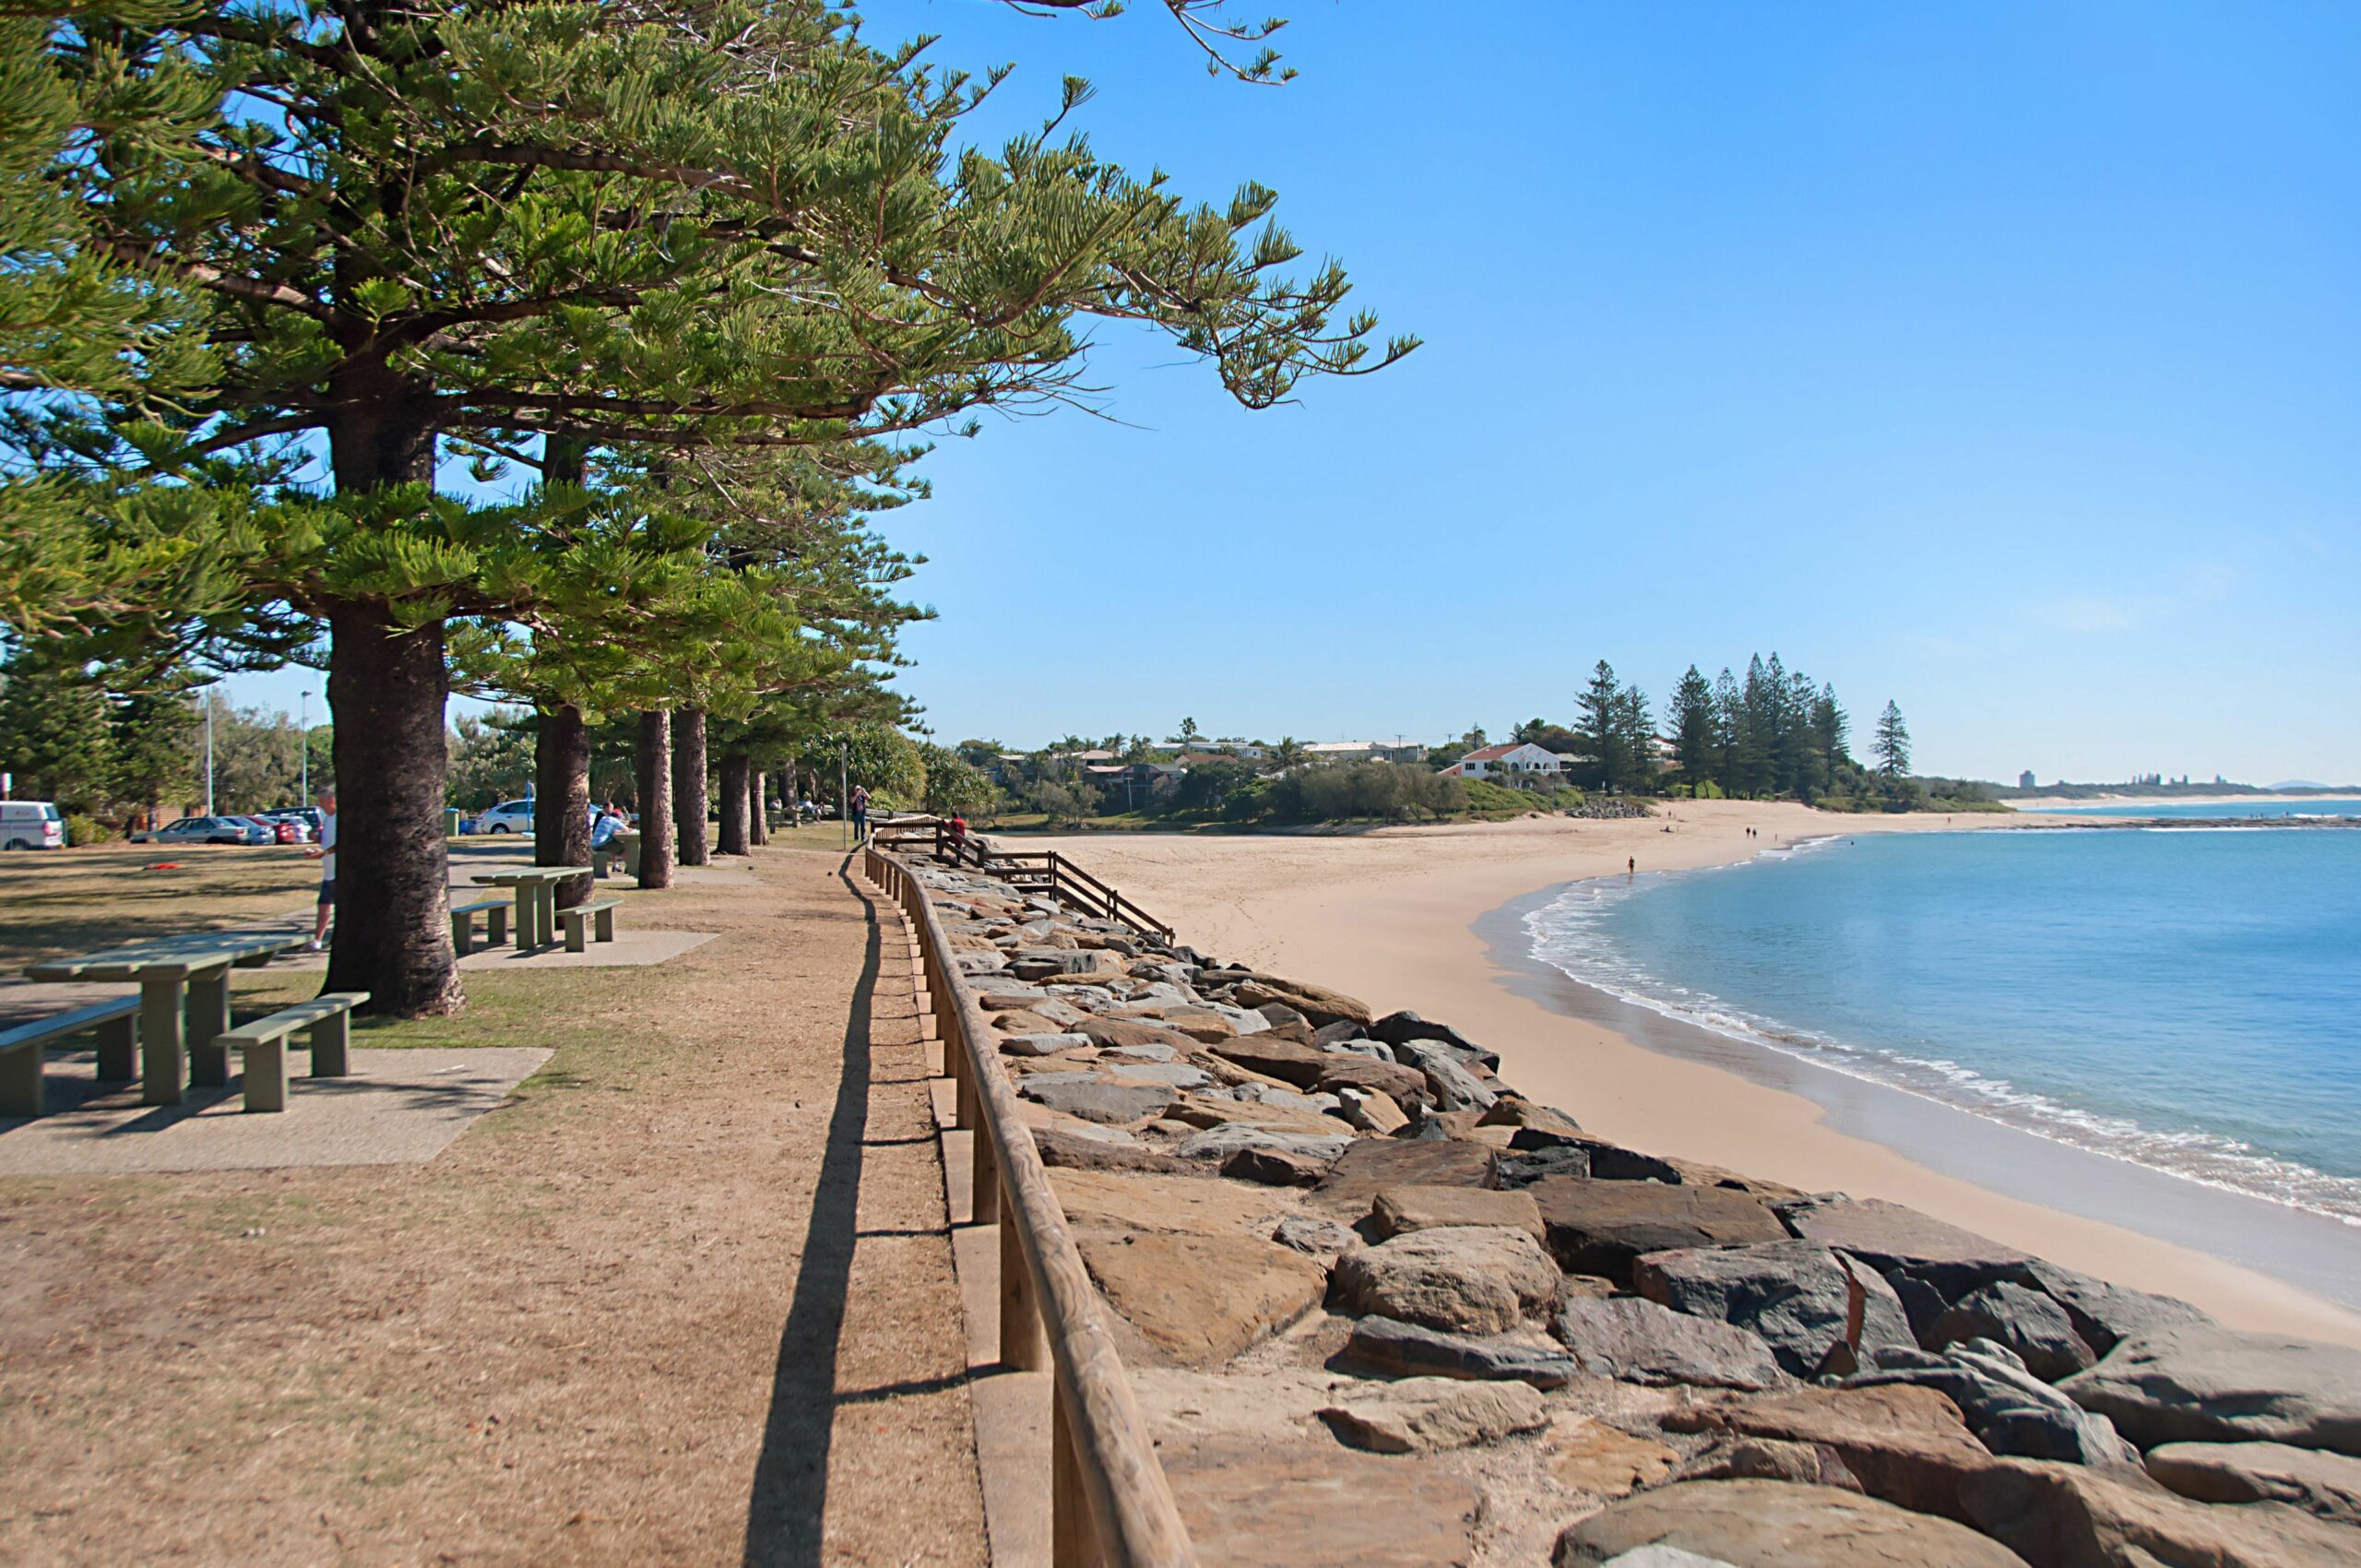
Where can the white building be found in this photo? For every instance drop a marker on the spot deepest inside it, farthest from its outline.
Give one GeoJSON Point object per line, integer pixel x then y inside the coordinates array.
{"type": "Point", "coordinates": [1519, 767]}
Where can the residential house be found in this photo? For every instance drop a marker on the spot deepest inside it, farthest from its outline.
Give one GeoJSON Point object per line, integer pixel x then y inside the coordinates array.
{"type": "Point", "coordinates": [1521, 767]}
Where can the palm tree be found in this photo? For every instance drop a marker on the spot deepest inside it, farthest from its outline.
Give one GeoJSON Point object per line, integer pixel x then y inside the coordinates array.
{"type": "Point", "coordinates": [1287, 753]}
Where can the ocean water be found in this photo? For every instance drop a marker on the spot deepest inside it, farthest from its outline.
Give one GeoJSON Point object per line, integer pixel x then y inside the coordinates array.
{"type": "Point", "coordinates": [2186, 999]}
{"type": "Point", "coordinates": [2217, 810]}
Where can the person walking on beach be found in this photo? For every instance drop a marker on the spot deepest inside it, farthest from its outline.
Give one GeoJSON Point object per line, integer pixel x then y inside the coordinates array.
{"type": "Point", "coordinates": [860, 813]}
{"type": "Point", "coordinates": [324, 852]}
{"type": "Point", "coordinates": [1631, 866]}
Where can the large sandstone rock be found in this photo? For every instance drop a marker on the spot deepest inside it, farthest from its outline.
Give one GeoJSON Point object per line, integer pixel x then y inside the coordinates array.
{"type": "Point", "coordinates": [1406, 1350]}
{"type": "Point", "coordinates": [1201, 1299]}
{"type": "Point", "coordinates": [1592, 1456]}
{"type": "Point", "coordinates": [1512, 1110]}
{"type": "Point", "coordinates": [1905, 1445]}
{"type": "Point", "coordinates": [1400, 1029]}
{"type": "Point", "coordinates": [1121, 1033]}
{"type": "Point", "coordinates": [2009, 1408]}
{"type": "Point", "coordinates": [1371, 1165]}
{"type": "Point", "coordinates": [1398, 1209]}
{"type": "Point", "coordinates": [2310, 1478]}
{"type": "Point", "coordinates": [1890, 1236]}
{"type": "Point", "coordinates": [1061, 1149]}
{"type": "Point", "coordinates": [1795, 1294]}
{"type": "Point", "coordinates": [1543, 1151]}
{"type": "Point", "coordinates": [1273, 1167]}
{"type": "Point", "coordinates": [1404, 1086]}
{"type": "Point", "coordinates": [1755, 1524]}
{"type": "Point", "coordinates": [1638, 1341]}
{"type": "Point", "coordinates": [1217, 1144]}
{"type": "Point", "coordinates": [2027, 1322]}
{"type": "Point", "coordinates": [1466, 1279]}
{"type": "Point", "coordinates": [1098, 1099]}
{"type": "Point", "coordinates": [1252, 1504]}
{"type": "Point", "coordinates": [1285, 1059]}
{"type": "Point", "coordinates": [1318, 1004]}
{"type": "Point", "coordinates": [1599, 1227]}
{"type": "Point", "coordinates": [2200, 1382]}
{"type": "Point", "coordinates": [1422, 1415]}
{"type": "Point", "coordinates": [1102, 1200]}
{"type": "Point", "coordinates": [2104, 1314]}
{"type": "Point", "coordinates": [2058, 1516]}
{"type": "Point", "coordinates": [1370, 1112]}
{"type": "Point", "coordinates": [1455, 1086]}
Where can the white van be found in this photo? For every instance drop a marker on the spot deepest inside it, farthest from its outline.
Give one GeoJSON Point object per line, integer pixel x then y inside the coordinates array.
{"type": "Point", "coordinates": [31, 824]}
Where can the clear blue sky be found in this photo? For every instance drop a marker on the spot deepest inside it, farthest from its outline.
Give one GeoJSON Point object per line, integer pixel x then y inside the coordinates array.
{"type": "Point", "coordinates": [2001, 359]}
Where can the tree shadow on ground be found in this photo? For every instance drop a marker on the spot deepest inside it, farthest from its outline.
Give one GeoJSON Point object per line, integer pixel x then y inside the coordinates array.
{"type": "Point", "coordinates": [785, 1513]}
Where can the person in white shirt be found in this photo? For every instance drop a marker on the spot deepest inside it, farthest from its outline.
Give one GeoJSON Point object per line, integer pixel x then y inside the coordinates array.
{"type": "Point", "coordinates": [325, 853]}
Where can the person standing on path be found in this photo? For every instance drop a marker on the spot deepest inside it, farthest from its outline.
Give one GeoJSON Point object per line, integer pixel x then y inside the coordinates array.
{"type": "Point", "coordinates": [860, 813]}
{"type": "Point", "coordinates": [324, 852]}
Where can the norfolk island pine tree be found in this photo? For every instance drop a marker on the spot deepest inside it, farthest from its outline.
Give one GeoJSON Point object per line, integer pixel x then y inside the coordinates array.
{"type": "Point", "coordinates": [414, 224]}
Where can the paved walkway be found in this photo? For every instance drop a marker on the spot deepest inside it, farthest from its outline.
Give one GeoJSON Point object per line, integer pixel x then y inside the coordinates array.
{"type": "Point", "coordinates": [686, 1296]}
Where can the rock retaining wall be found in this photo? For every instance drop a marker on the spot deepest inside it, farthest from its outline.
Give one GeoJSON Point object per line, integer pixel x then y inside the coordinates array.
{"type": "Point", "coordinates": [1383, 1309]}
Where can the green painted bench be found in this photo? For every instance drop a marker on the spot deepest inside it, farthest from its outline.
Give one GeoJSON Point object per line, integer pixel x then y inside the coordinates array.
{"type": "Point", "coordinates": [117, 1023]}
{"type": "Point", "coordinates": [463, 923]}
{"type": "Point", "coordinates": [599, 914]}
{"type": "Point", "coordinates": [264, 1041]}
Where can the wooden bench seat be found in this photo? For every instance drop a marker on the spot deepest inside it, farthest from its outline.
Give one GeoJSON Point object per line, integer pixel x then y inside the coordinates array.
{"type": "Point", "coordinates": [117, 1023]}
{"type": "Point", "coordinates": [463, 923]}
{"type": "Point", "coordinates": [600, 913]}
{"type": "Point", "coordinates": [264, 1041]}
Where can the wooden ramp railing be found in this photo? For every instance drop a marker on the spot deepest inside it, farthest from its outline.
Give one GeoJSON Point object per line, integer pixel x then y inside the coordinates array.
{"type": "Point", "coordinates": [1109, 1500]}
{"type": "Point", "coordinates": [1038, 871]}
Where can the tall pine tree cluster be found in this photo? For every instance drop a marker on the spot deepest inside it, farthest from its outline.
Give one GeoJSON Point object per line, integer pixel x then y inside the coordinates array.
{"type": "Point", "coordinates": [681, 286]}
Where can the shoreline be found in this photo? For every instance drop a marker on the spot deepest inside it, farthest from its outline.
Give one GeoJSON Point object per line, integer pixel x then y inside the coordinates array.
{"type": "Point", "coordinates": [1414, 917]}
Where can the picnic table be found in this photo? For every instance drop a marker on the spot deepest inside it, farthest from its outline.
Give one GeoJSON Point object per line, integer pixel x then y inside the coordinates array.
{"type": "Point", "coordinates": [536, 888]}
{"type": "Point", "coordinates": [183, 998]}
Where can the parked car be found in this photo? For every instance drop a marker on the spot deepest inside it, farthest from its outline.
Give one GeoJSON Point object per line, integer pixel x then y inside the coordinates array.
{"type": "Point", "coordinates": [31, 824]}
{"type": "Point", "coordinates": [256, 830]}
{"type": "Point", "coordinates": [508, 816]}
{"type": "Point", "coordinates": [293, 825]}
{"type": "Point", "coordinates": [199, 830]}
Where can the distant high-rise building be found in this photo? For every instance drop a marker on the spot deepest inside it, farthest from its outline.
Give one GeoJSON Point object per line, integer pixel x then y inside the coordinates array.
{"type": "Point", "coordinates": [2024, 780]}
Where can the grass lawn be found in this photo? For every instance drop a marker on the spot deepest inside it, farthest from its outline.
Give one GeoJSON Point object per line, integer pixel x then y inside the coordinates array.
{"type": "Point", "coordinates": [56, 902]}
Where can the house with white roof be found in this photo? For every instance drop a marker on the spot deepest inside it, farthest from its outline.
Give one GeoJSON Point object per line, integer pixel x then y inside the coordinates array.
{"type": "Point", "coordinates": [1521, 766]}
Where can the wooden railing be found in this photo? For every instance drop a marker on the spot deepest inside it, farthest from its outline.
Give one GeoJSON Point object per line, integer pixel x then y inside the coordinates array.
{"type": "Point", "coordinates": [1038, 871]}
{"type": "Point", "coordinates": [1107, 1496]}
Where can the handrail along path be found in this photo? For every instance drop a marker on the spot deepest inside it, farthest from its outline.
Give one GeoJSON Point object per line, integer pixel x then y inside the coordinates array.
{"type": "Point", "coordinates": [1109, 1503]}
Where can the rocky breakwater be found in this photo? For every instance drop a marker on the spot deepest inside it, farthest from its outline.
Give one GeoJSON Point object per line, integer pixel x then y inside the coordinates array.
{"type": "Point", "coordinates": [1383, 1309]}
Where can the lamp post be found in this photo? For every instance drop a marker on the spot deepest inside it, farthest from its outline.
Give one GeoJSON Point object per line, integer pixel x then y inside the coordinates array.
{"type": "Point", "coordinates": [303, 722]}
{"type": "Point", "coordinates": [208, 751]}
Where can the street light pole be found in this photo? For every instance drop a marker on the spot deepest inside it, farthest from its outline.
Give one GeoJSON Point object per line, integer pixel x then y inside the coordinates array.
{"type": "Point", "coordinates": [208, 751]}
{"type": "Point", "coordinates": [844, 801]}
{"type": "Point", "coordinates": [303, 722]}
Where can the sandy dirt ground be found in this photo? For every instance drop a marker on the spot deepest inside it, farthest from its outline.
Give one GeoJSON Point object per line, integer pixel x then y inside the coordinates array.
{"type": "Point", "coordinates": [687, 1298]}
{"type": "Point", "coordinates": [1386, 916]}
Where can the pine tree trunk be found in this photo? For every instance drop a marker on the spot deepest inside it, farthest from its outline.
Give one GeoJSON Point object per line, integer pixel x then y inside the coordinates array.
{"type": "Point", "coordinates": [392, 924]}
{"type": "Point", "coordinates": [386, 688]}
{"type": "Point", "coordinates": [736, 833]}
{"type": "Point", "coordinates": [654, 757]}
{"type": "Point", "coordinates": [562, 797]}
{"type": "Point", "coordinates": [689, 800]}
{"type": "Point", "coordinates": [758, 825]}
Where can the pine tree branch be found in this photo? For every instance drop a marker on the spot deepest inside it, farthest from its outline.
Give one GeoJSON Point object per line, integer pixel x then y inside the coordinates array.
{"type": "Point", "coordinates": [252, 168]}
{"type": "Point", "coordinates": [418, 328]}
{"type": "Point", "coordinates": [220, 282]}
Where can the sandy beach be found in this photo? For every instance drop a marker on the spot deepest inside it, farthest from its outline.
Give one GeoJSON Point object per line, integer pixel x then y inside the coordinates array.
{"type": "Point", "coordinates": [1392, 916]}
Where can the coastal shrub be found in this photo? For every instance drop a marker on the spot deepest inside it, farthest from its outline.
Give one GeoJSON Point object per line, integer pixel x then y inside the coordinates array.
{"type": "Point", "coordinates": [83, 829]}
{"type": "Point", "coordinates": [1483, 795]}
{"type": "Point", "coordinates": [1208, 789]}
{"type": "Point", "coordinates": [1352, 790]}
{"type": "Point", "coordinates": [1060, 806]}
